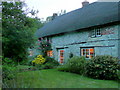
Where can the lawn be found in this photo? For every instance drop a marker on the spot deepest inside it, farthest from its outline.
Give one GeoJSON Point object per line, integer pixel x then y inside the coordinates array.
{"type": "Point", "coordinates": [51, 78]}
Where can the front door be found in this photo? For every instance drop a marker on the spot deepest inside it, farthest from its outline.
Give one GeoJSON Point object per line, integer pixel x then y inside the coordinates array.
{"type": "Point", "coordinates": [61, 56]}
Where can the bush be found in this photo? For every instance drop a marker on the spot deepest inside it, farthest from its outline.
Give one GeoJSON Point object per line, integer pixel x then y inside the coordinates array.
{"type": "Point", "coordinates": [50, 63]}
{"type": "Point", "coordinates": [39, 60]}
{"type": "Point", "coordinates": [51, 60]}
{"type": "Point", "coordinates": [63, 68]}
{"type": "Point", "coordinates": [75, 65]}
{"type": "Point", "coordinates": [8, 61]}
{"type": "Point", "coordinates": [47, 66]}
{"type": "Point", "coordinates": [8, 72]}
{"type": "Point", "coordinates": [102, 67]}
{"type": "Point", "coordinates": [30, 59]}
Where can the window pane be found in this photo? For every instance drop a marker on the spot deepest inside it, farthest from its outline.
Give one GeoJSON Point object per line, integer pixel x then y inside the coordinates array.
{"type": "Point", "coordinates": [93, 33]}
{"type": "Point", "coordinates": [98, 32]}
{"type": "Point", "coordinates": [87, 56]}
{"type": "Point", "coordinates": [87, 52]}
{"type": "Point", "coordinates": [91, 52]}
{"type": "Point", "coordinates": [61, 56]}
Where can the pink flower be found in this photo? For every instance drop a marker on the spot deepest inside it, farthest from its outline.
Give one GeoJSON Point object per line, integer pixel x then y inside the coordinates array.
{"type": "Point", "coordinates": [41, 38]}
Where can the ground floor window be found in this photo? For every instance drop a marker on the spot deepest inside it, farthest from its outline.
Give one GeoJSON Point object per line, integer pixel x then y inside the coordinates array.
{"type": "Point", "coordinates": [61, 56]}
{"type": "Point", "coordinates": [87, 52]}
{"type": "Point", "coordinates": [50, 53]}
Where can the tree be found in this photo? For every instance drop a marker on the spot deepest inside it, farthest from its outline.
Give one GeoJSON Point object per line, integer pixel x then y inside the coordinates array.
{"type": "Point", "coordinates": [18, 31]}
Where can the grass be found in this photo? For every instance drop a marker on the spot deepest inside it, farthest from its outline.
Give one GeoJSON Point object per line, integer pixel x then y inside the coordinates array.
{"type": "Point", "coordinates": [51, 78]}
{"type": "Point", "coordinates": [0, 76]}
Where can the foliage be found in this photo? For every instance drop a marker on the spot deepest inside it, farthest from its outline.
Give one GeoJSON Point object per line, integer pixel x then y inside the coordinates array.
{"type": "Point", "coordinates": [39, 60]}
{"type": "Point", "coordinates": [71, 55]}
{"type": "Point", "coordinates": [63, 68]}
{"type": "Point", "coordinates": [47, 66]}
{"type": "Point", "coordinates": [8, 69]}
{"type": "Point", "coordinates": [8, 72]}
{"type": "Point", "coordinates": [44, 46]}
{"type": "Point", "coordinates": [51, 60]}
{"type": "Point", "coordinates": [8, 61]}
{"type": "Point", "coordinates": [75, 65]}
{"type": "Point", "coordinates": [18, 31]}
{"type": "Point", "coordinates": [50, 63]}
{"type": "Point", "coordinates": [118, 73]}
{"type": "Point", "coordinates": [102, 67]}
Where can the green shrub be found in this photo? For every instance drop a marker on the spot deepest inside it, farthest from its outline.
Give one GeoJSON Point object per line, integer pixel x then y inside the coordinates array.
{"type": "Point", "coordinates": [102, 67]}
{"type": "Point", "coordinates": [8, 72]}
{"type": "Point", "coordinates": [76, 64]}
{"type": "Point", "coordinates": [8, 69]}
{"type": "Point", "coordinates": [30, 59]}
{"type": "Point", "coordinates": [51, 60]}
{"type": "Point", "coordinates": [8, 61]}
{"type": "Point", "coordinates": [63, 68]}
{"type": "Point", "coordinates": [50, 63]}
{"type": "Point", "coordinates": [48, 66]}
{"type": "Point", "coordinates": [118, 73]}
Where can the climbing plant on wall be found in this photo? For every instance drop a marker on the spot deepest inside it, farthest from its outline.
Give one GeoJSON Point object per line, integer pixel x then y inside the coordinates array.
{"type": "Point", "coordinates": [44, 46]}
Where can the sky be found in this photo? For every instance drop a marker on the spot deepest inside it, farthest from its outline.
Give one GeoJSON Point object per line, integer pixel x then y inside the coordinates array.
{"type": "Point", "coordinates": [48, 7]}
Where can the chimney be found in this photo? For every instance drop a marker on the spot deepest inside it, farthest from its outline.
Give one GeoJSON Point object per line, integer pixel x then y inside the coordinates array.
{"type": "Point", "coordinates": [54, 16]}
{"type": "Point", "coordinates": [85, 3]}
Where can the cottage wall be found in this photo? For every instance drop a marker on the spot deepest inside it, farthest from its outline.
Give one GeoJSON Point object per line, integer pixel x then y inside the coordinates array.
{"type": "Point", "coordinates": [107, 44]}
{"type": "Point", "coordinates": [119, 41]}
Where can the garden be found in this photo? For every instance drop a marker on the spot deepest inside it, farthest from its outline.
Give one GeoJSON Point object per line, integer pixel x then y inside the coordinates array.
{"type": "Point", "coordinates": [99, 72]}
{"type": "Point", "coordinates": [20, 70]}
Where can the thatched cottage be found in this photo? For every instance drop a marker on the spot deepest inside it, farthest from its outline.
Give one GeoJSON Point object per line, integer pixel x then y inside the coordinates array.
{"type": "Point", "coordinates": [91, 30]}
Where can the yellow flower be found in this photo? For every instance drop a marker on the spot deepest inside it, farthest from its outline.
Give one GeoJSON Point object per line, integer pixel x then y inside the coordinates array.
{"type": "Point", "coordinates": [39, 60]}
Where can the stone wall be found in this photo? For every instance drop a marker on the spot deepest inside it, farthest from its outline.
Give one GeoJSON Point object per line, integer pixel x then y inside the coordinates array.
{"type": "Point", "coordinates": [107, 44]}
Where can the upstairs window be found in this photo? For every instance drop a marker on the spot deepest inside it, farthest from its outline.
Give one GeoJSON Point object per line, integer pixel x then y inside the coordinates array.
{"type": "Point", "coordinates": [96, 33]}
{"type": "Point", "coordinates": [87, 52]}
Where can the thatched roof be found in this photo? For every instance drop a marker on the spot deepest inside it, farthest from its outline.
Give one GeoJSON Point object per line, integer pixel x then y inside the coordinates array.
{"type": "Point", "coordinates": [97, 13]}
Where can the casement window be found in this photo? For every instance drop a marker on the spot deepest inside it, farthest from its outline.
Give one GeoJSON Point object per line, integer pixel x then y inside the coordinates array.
{"type": "Point", "coordinates": [61, 56]}
{"type": "Point", "coordinates": [50, 53]}
{"type": "Point", "coordinates": [96, 33]}
{"type": "Point", "coordinates": [87, 52]}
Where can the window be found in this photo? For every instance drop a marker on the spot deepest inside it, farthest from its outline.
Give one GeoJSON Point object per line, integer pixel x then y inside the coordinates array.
{"type": "Point", "coordinates": [96, 33]}
{"type": "Point", "coordinates": [61, 56]}
{"type": "Point", "coordinates": [87, 52]}
{"type": "Point", "coordinates": [50, 53]}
